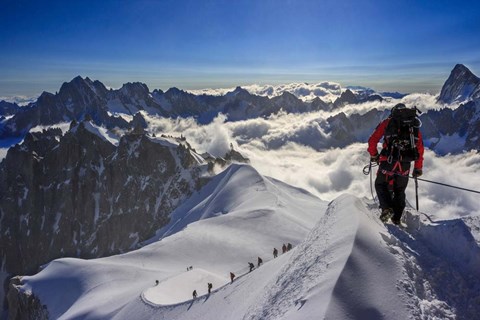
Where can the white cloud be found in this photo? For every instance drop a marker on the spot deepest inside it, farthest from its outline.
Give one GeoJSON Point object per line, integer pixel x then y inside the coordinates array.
{"type": "Point", "coordinates": [327, 91]}
{"type": "Point", "coordinates": [213, 138]}
{"type": "Point", "coordinates": [64, 126]}
{"type": "Point", "coordinates": [284, 148]}
{"type": "Point", "coordinates": [20, 100]}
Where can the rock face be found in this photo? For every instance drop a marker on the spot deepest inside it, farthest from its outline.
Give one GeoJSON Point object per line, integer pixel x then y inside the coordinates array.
{"type": "Point", "coordinates": [8, 108]}
{"type": "Point", "coordinates": [24, 305]}
{"type": "Point", "coordinates": [347, 97]}
{"type": "Point", "coordinates": [76, 100]}
{"type": "Point", "coordinates": [462, 85]}
{"type": "Point", "coordinates": [81, 195]}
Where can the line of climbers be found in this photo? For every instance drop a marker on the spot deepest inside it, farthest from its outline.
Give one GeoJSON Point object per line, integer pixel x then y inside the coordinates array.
{"type": "Point", "coordinates": [285, 248]}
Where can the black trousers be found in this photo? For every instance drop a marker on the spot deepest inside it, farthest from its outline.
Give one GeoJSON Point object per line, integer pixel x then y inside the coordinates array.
{"type": "Point", "coordinates": [390, 184]}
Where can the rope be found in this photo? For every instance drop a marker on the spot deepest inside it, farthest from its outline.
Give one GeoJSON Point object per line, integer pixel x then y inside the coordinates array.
{"type": "Point", "coordinates": [446, 185]}
{"type": "Point", "coordinates": [368, 167]}
{"type": "Point", "coordinates": [367, 170]}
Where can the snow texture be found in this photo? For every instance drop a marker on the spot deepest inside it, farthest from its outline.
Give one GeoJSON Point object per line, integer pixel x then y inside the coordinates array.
{"type": "Point", "coordinates": [345, 264]}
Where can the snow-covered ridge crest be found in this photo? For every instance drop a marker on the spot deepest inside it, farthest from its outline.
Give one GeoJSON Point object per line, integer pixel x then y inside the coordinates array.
{"type": "Point", "coordinates": [349, 265]}
{"type": "Point", "coordinates": [249, 216]}
{"type": "Point", "coordinates": [239, 188]}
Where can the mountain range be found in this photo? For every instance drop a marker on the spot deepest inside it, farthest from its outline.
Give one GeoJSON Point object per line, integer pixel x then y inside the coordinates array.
{"type": "Point", "coordinates": [84, 98]}
{"type": "Point", "coordinates": [108, 186]}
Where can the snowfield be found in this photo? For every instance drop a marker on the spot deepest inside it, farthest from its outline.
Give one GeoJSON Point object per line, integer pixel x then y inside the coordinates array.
{"type": "Point", "coordinates": [345, 263]}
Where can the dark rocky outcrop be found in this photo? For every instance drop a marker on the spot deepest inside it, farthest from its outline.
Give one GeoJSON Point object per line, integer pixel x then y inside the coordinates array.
{"type": "Point", "coordinates": [24, 305]}
{"type": "Point", "coordinates": [347, 97]}
{"type": "Point", "coordinates": [76, 100]}
{"type": "Point", "coordinates": [462, 85]}
{"type": "Point", "coordinates": [8, 108]}
{"type": "Point", "coordinates": [319, 104]}
{"type": "Point", "coordinates": [80, 195]}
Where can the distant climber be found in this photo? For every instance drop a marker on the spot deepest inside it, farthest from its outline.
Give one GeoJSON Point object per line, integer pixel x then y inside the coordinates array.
{"type": "Point", "coordinates": [156, 282]}
{"type": "Point", "coordinates": [209, 287]}
{"type": "Point", "coordinates": [232, 276]}
{"type": "Point", "coordinates": [259, 262]}
{"type": "Point", "coordinates": [194, 294]}
{"type": "Point", "coordinates": [402, 144]}
{"type": "Point", "coordinates": [275, 252]}
{"type": "Point", "coordinates": [289, 246]}
{"type": "Point", "coordinates": [284, 248]}
{"type": "Point", "coordinates": [251, 265]}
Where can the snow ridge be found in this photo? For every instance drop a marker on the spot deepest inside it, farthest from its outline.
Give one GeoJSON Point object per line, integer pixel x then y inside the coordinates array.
{"type": "Point", "coordinates": [348, 266]}
{"type": "Point", "coordinates": [441, 267]}
{"type": "Point", "coordinates": [315, 262]}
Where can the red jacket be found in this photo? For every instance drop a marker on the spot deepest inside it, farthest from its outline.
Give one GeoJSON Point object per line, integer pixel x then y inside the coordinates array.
{"type": "Point", "coordinates": [378, 134]}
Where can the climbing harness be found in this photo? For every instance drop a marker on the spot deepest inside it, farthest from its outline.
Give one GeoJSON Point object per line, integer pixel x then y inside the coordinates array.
{"type": "Point", "coordinates": [367, 170]}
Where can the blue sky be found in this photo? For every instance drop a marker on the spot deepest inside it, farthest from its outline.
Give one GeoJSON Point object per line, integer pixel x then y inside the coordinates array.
{"type": "Point", "coordinates": [402, 45]}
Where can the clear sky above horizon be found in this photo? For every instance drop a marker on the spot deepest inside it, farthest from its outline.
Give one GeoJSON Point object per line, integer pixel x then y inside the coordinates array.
{"type": "Point", "coordinates": [397, 45]}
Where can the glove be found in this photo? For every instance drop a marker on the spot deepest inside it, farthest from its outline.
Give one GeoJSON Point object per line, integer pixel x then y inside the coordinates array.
{"type": "Point", "coordinates": [417, 172]}
{"type": "Point", "coordinates": [374, 158]}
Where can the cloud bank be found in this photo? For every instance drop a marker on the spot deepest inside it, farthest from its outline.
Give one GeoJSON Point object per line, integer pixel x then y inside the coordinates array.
{"type": "Point", "coordinates": [283, 147]}
{"type": "Point", "coordinates": [20, 100]}
{"type": "Point", "coordinates": [327, 91]}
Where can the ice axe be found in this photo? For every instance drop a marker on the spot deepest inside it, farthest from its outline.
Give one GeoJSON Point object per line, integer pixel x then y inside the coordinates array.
{"type": "Point", "coordinates": [416, 191]}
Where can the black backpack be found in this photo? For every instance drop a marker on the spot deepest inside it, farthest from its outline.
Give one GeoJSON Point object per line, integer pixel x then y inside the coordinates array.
{"type": "Point", "coordinates": [401, 135]}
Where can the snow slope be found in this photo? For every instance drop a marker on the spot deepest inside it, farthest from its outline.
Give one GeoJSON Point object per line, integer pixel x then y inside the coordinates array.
{"type": "Point", "coordinates": [262, 214]}
{"type": "Point", "coordinates": [345, 264]}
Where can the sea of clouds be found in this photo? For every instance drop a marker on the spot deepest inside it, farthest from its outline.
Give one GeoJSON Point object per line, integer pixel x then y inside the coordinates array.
{"type": "Point", "coordinates": [294, 148]}
{"type": "Point", "coordinates": [291, 148]}
{"type": "Point", "coordinates": [20, 100]}
{"type": "Point", "coordinates": [327, 91]}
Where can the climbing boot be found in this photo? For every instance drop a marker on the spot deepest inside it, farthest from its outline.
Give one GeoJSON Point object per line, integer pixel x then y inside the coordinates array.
{"type": "Point", "coordinates": [386, 214]}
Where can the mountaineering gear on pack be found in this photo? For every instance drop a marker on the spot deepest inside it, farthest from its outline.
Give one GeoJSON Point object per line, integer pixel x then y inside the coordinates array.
{"type": "Point", "coordinates": [401, 134]}
{"type": "Point", "coordinates": [386, 214]}
{"type": "Point", "coordinates": [375, 158]}
{"type": "Point", "coordinates": [417, 173]}
{"type": "Point", "coordinates": [402, 139]}
{"type": "Point", "coordinates": [402, 144]}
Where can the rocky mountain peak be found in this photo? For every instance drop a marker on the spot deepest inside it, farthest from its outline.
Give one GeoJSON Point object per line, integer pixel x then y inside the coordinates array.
{"type": "Point", "coordinates": [78, 90]}
{"type": "Point", "coordinates": [135, 89]}
{"type": "Point", "coordinates": [462, 85]}
{"type": "Point", "coordinates": [174, 91]}
{"type": "Point", "coordinates": [319, 104]}
{"type": "Point", "coordinates": [239, 92]}
{"type": "Point", "coordinates": [347, 97]}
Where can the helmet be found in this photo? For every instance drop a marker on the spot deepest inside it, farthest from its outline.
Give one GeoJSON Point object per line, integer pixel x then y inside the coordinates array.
{"type": "Point", "coordinates": [398, 106]}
